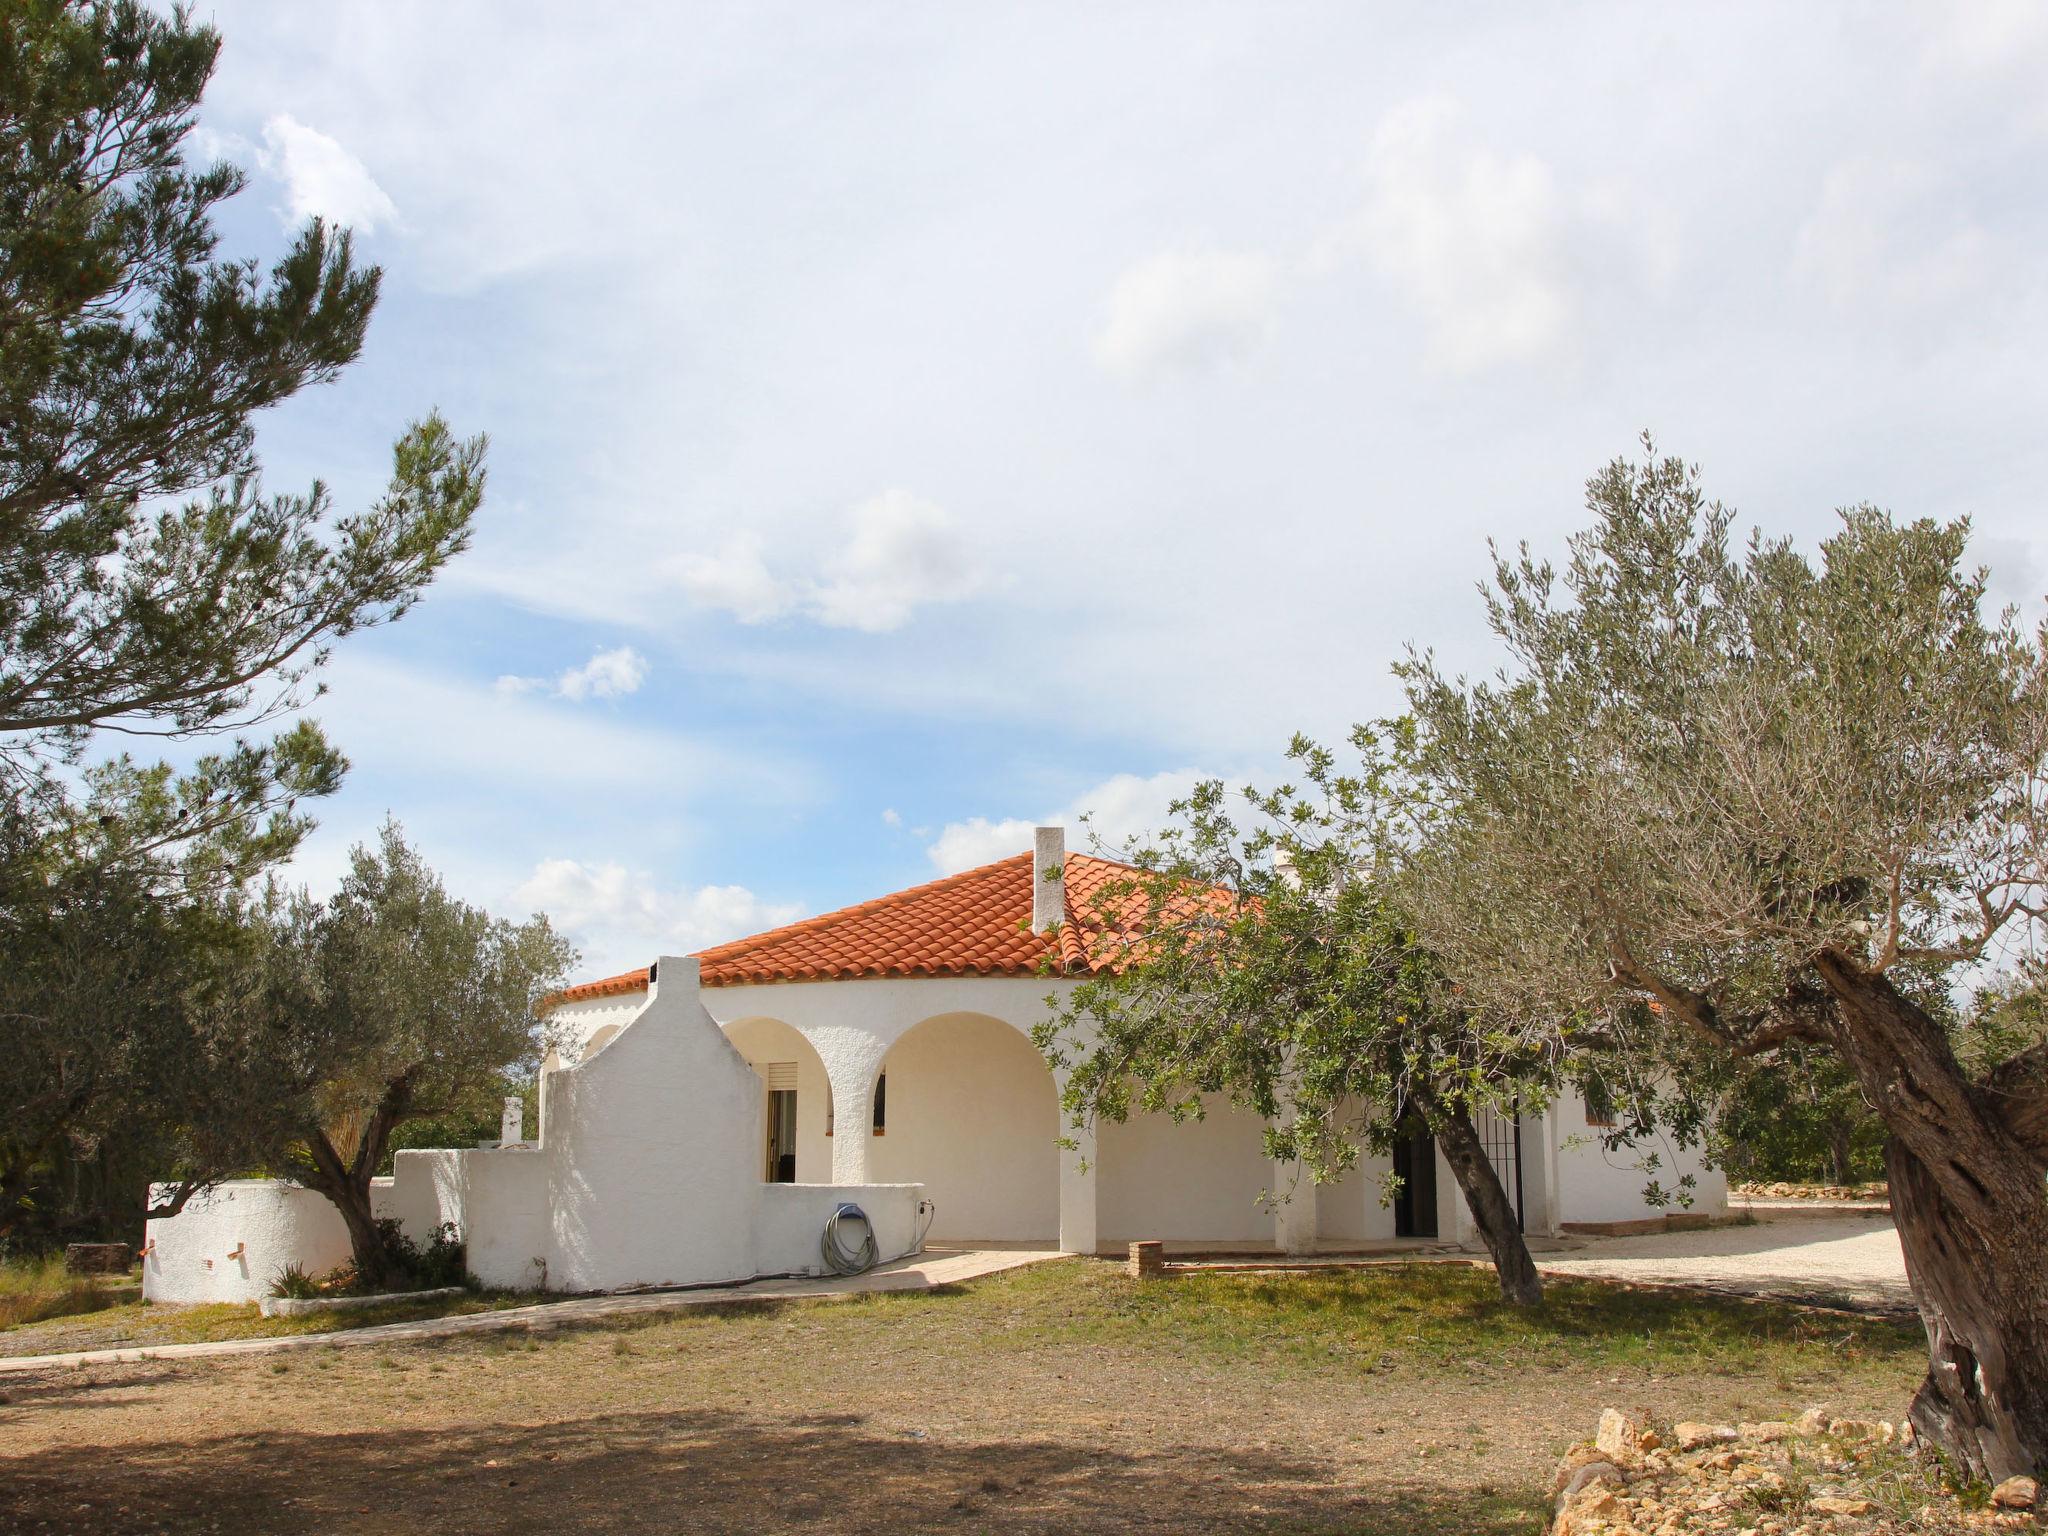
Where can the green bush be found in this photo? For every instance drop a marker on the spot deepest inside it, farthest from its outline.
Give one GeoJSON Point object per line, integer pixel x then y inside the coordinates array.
{"type": "Point", "coordinates": [294, 1283]}
{"type": "Point", "coordinates": [442, 1262]}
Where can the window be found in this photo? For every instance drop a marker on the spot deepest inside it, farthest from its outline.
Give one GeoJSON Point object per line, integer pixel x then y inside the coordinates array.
{"type": "Point", "coordinates": [881, 1103]}
{"type": "Point", "coordinates": [1599, 1103]}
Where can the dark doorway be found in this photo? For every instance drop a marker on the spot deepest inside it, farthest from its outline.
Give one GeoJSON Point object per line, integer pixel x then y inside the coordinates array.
{"type": "Point", "coordinates": [1415, 1166]}
{"type": "Point", "coordinates": [782, 1136]}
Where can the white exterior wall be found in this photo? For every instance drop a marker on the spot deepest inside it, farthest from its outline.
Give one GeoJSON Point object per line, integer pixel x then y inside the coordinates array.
{"type": "Point", "coordinates": [572, 1024]}
{"type": "Point", "coordinates": [1596, 1185]}
{"type": "Point", "coordinates": [1199, 1181]}
{"type": "Point", "coordinates": [791, 1225]}
{"type": "Point", "coordinates": [652, 1152]}
{"type": "Point", "coordinates": [274, 1224]}
{"type": "Point", "coordinates": [973, 1116]}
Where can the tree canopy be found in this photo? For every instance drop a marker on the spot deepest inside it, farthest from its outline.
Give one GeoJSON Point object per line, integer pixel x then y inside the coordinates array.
{"type": "Point", "coordinates": [1273, 964]}
{"type": "Point", "coordinates": [1774, 798]}
{"type": "Point", "coordinates": [392, 1002]}
{"type": "Point", "coordinates": [149, 583]}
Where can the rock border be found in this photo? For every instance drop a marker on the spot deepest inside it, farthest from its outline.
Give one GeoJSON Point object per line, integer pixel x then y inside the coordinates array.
{"type": "Point", "coordinates": [313, 1306]}
{"type": "Point", "coordinates": [1810, 1476]}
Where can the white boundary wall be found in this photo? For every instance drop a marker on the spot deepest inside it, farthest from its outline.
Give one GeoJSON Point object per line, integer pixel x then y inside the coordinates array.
{"type": "Point", "coordinates": [229, 1242]}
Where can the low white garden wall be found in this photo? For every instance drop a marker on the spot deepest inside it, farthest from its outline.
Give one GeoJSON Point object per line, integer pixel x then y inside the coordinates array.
{"type": "Point", "coordinates": [229, 1242]}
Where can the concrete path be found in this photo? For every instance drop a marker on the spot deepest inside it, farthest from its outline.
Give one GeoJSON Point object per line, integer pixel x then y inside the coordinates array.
{"type": "Point", "coordinates": [922, 1272]}
{"type": "Point", "coordinates": [1838, 1258]}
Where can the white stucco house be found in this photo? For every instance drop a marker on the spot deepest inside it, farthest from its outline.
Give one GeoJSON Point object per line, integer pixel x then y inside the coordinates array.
{"type": "Point", "coordinates": [702, 1118]}
{"type": "Point", "coordinates": [893, 1044]}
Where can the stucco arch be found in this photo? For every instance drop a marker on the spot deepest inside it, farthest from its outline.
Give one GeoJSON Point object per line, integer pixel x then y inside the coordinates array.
{"type": "Point", "coordinates": [762, 1040]}
{"type": "Point", "coordinates": [972, 1114]}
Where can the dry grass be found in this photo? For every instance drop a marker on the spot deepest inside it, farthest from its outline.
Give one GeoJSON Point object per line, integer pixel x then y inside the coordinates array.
{"type": "Point", "coordinates": [34, 1290]}
{"type": "Point", "coordinates": [1059, 1398]}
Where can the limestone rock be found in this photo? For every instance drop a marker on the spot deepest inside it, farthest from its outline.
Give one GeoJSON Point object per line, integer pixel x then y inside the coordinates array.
{"type": "Point", "coordinates": [1617, 1436]}
{"type": "Point", "coordinates": [2016, 1493]}
{"type": "Point", "coordinates": [1812, 1422]}
{"type": "Point", "coordinates": [1692, 1436]}
{"type": "Point", "coordinates": [1769, 1431]}
{"type": "Point", "coordinates": [1829, 1504]}
{"type": "Point", "coordinates": [1573, 1459]}
{"type": "Point", "coordinates": [1604, 1472]}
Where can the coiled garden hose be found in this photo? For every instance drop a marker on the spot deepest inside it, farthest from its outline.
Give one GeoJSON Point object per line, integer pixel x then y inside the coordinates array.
{"type": "Point", "coordinates": [838, 1258]}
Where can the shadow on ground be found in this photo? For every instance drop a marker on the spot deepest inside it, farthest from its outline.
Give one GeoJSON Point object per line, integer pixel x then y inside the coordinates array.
{"type": "Point", "coordinates": [708, 1472]}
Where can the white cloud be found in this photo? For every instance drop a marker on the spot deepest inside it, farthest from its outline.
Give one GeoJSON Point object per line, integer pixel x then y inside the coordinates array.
{"type": "Point", "coordinates": [964, 844]}
{"type": "Point", "coordinates": [1470, 237]}
{"type": "Point", "coordinates": [1114, 811]}
{"type": "Point", "coordinates": [737, 581]}
{"type": "Point", "coordinates": [322, 179]}
{"type": "Point", "coordinates": [608, 675]}
{"type": "Point", "coordinates": [1187, 310]}
{"type": "Point", "coordinates": [900, 553]}
{"type": "Point", "coordinates": [892, 817]}
{"type": "Point", "coordinates": [621, 917]}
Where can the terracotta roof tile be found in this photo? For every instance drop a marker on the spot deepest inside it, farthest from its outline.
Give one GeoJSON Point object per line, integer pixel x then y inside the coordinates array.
{"type": "Point", "coordinates": [977, 923]}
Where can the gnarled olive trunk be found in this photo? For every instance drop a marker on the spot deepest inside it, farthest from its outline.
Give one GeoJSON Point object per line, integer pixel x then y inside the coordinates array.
{"type": "Point", "coordinates": [1969, 1183]}
{"type": "Point", "coordinates": [1491, 1209]}
{"type": "Point", "coordinates": [347, 1183]}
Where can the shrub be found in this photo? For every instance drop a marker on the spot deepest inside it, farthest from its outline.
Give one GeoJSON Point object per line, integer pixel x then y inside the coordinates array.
{"type": "Point", "coordinates": [442, 1262]}
{"type": "Point", "coordinates": [293, 1282]}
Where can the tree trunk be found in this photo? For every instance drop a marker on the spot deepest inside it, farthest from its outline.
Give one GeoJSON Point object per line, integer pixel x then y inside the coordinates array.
{"type": "Point", "coordinates": [1969, 1187]}
{"type": "Point", "coordinates": [1491, 1209]}
{"type": "Point", "coordinates": [347, 1185]}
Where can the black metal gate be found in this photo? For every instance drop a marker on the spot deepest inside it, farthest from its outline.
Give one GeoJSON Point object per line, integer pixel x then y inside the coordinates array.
{"type": "Point", "coordinates": [1501, 1136]}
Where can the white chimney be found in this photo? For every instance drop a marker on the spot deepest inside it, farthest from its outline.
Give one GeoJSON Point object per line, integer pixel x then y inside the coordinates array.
{"type": "Point", "coordinates": [1048, 878]}
{"type": "Point", "coordinates": [512, 1124]}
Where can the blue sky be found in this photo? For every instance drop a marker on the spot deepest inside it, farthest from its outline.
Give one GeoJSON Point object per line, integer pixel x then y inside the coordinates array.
{"type": "Point", "coordinates": [909, 423]}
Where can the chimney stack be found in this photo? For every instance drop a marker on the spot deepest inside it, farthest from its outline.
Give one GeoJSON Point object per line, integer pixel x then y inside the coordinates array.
{"type": "Point", "coordinates": [512, 1124]}
{"type": "Point", "coordinates": [1048, 878]}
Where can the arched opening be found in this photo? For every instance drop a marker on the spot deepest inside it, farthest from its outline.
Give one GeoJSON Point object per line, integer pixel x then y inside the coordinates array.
{"type": "Point", "coordinates": [796, 1102]}
{"type": "Point", "coordinates": [973, 1116]}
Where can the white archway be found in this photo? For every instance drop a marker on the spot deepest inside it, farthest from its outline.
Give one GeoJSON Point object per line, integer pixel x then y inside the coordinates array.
{"type": "Point", "coordinates": [971, 1113]}
{"type": "Point", "coordinates": [769, 1043]}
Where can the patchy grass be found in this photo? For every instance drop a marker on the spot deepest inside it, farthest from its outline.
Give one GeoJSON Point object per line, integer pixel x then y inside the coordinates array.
{"type": "Point", "coordinates": [1448, 1319]}
{"type": "Point", "coordinates": [32, 1290]}
{"type": "Point", "coordinates": [1064, 1397]}
{"type": "Point", "coordinates": [133, 1324]}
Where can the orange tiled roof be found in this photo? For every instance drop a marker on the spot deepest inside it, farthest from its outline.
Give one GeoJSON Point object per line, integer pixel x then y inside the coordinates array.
{"type": "Point", "coordinates": [977, 923]}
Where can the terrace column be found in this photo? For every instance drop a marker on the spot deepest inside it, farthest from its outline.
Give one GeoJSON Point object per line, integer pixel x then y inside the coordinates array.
{"type": "Point", "coordinates": [1294, 1213]}
{"type": "Point", "coordinates": [853, 1059]}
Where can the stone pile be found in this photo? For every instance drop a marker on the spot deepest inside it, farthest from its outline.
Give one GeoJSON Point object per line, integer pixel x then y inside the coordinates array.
{"type": "Point", "coordinates": [1811, 1476]}
{"type": "Point", "coordinates": [1782, 1191]}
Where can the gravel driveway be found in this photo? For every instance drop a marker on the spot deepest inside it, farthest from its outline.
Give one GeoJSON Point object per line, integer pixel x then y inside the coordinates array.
{"type": "Point", "coordinates": [1838, 1260]}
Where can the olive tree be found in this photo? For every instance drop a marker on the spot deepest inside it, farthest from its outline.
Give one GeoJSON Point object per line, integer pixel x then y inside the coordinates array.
{"type": "Point", "coordinates": [1771, 797]}
{"type": "Point", "coordinates": [1274, 965]}
{"type": "Point", "coordinates": [392, 1002]}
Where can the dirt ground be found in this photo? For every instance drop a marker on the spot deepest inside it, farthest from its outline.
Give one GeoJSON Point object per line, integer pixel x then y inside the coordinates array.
{"type": "Point", "coordinates": [1062, 1398]}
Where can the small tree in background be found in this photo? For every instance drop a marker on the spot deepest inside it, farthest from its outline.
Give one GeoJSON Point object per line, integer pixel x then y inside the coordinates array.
{"type": "Point", "coordinates": [1275, 967]}
{"type": "Point", "coordinates": [1773, 797]}
{"type": "Point", "coordinates": [391, 1003]}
